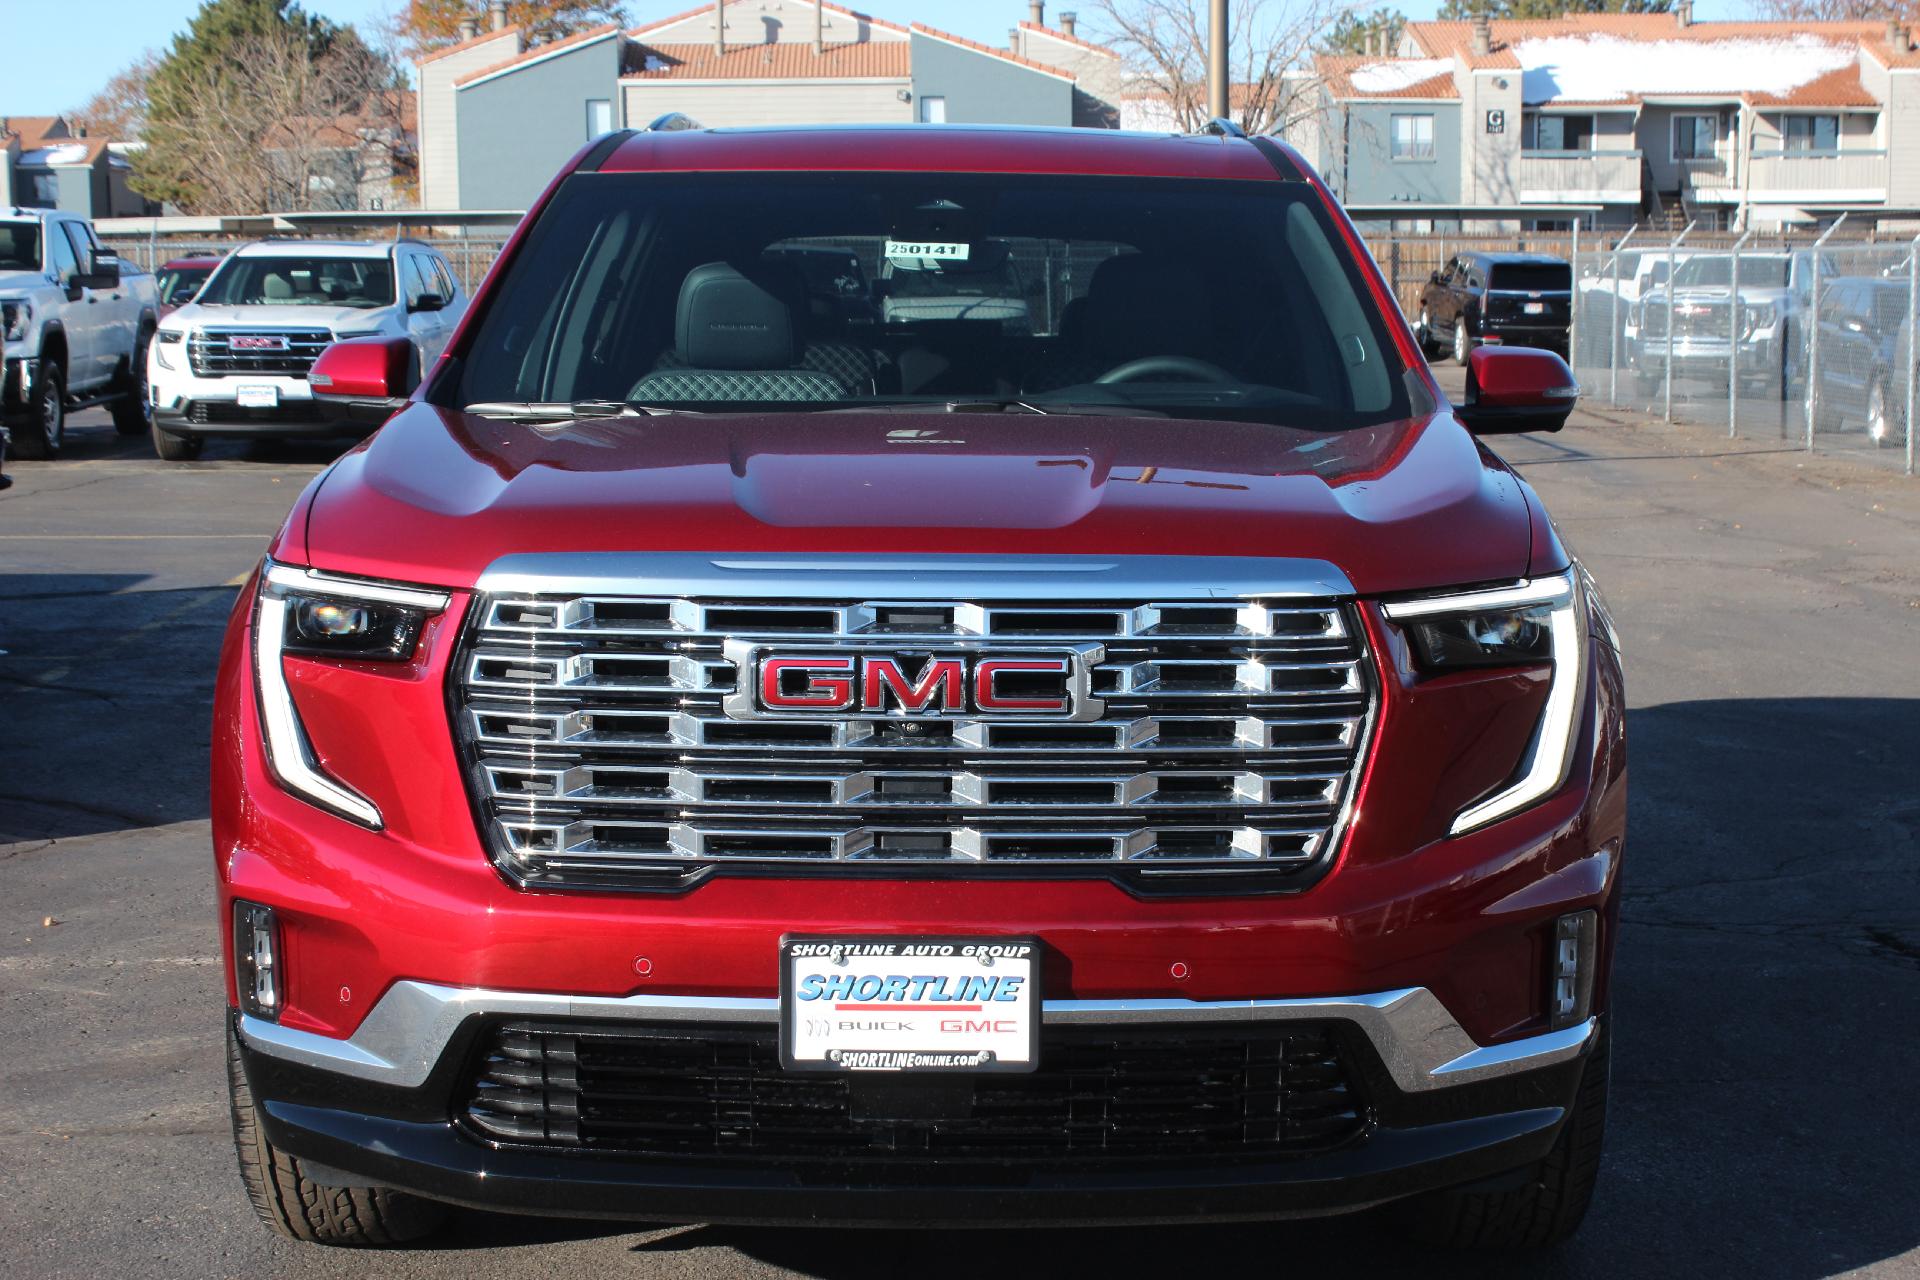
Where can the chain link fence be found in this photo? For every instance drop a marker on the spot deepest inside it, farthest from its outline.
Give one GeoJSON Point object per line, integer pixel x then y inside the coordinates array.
{"type": "Point", "coordinates": [1805, 343]}
{"type": "Point", "coordinates": [470, 255]}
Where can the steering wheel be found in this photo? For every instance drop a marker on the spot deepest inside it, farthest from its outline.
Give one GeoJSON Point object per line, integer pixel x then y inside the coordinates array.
{"type": "Point", "coordinates": [1178, 366]}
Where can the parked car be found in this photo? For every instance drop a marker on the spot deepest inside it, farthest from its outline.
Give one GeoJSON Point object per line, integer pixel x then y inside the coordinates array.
{"type": "Point", "coordinates": [1774, 293]}
{"type": "Point", "coordinates": [661, 775]}
{"type": "Point", "coordinates": [1516, 299]}
{"type": "Point", "coordinates": [234, 360]}
{"type": "Point", "coordinates": [1862, 367]}
{"type": "Point", "coordinates": [75, 323]}
{"type": "Point", "coordinates": [181, 278]}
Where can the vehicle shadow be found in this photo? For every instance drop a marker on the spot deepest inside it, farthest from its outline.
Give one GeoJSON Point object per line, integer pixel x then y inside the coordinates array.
{"type": "Point", "coordinates": [105, 703]}
{"type": "Point", "coordinates": [1767, 985]}
{"type": "Point", "coordinates": [91, 437]}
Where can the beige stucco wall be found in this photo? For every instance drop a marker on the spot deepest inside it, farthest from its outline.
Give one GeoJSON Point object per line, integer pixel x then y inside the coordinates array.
{"type": "Point", "coordinates": [759, 102]}
{"type": "Point", "coordinates": [438, 127]}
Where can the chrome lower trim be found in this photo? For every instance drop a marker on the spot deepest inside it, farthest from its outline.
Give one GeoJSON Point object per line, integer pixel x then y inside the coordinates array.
{"type": "Point", "coordinates": [1421, 1044]}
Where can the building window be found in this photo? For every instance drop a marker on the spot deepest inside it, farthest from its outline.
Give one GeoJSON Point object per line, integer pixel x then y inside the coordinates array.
{"type": "Point", "coordinates": [1810, 133]}
{"type": "Point", "coordinates": [599, 117]}
{"type": "Point", "coordinates": [1559, 133]}
{"type": "Point", "coordinates": [933, 109]}
{"type": "Point", "coordinates": [1413, 137]}
{"type": "Point", "coordinates": [43, 191]}
{"type": "Point", "coordinates": [1694, 136]}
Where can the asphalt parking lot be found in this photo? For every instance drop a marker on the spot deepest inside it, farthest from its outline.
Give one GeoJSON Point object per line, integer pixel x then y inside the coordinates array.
{"type": "Point", "coordinates": [1769, 983]}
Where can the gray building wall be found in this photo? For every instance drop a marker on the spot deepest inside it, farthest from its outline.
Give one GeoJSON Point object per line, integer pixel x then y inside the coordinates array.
{"type": "Point", "coordinates": [1373, 176]}
{"type": "Point", "coordinates": [516, 130]}
{"type": "Point", "coordinates": [982, 89]}
{"type": "Point", "coordinates": [737, 103]}
{"type": "Point", "coordinates": [76, 189]}
{"type": "Point", "coordinates": [438, 126]}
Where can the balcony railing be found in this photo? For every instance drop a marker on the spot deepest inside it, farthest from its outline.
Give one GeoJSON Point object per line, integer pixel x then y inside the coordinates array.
{"type": "Point", "coordinates": [1707, 173]}
{"type": "Point", "coordinates": [1815, 175]}
{"type": "Point", "coordinates": [1580, 177]}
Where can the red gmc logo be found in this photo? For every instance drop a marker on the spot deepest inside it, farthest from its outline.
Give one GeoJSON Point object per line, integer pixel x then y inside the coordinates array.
{"type": "Point", "coordinates": [256, 342]}
{"type": "Point", "coordinates": [773, 682]}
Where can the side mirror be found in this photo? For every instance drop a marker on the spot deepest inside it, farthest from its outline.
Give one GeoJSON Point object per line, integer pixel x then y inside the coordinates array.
{"type": "Point", "coordinates": [1511, 390]}
{"type": "Point", "coordinates": [104, 273]}
{"type": "Point", "coordinates": [428, 302]}
{"type": "Point", "coordinates": [1434, 278]}
{"type": "Point", "coordinates": [364, 380]}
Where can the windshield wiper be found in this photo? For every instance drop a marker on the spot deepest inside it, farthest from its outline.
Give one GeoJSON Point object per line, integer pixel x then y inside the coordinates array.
{"type": "Point", "coordinates": [561, 410]}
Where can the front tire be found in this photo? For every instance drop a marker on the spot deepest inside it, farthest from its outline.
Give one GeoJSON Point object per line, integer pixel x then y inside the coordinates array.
{"type": "Point", "coordinates": [133, 412]}
{"type": "Point", "coordinates": [299, 1208]}
{"type": "Point", "coordinates": [1462, 344]}
{"type": "Point", "coordinates": [1549, 1208]}
{"type": "Point", "coordinates": [173, 448]}
{"type": "Point", "coordinates": [40, 436]}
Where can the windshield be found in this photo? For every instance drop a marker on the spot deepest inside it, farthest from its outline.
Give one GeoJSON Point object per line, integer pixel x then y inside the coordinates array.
{"type": "Point", "coordinates": [301, 282]}
{"type": "Point", "coordinates": [1036, 293]}
{"type": "Point", "coordinates": [19, 246]}
{"type": "Point", "coordinates": [1758, 273]}
{"type": "Point", "coordinates": [179, 284]}
{"type": "Point", "coordinates": [1531, 277]}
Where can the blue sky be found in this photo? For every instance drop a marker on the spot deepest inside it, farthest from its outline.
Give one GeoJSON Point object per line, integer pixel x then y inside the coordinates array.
{"type": "Point", "coordinates": [40, 73]}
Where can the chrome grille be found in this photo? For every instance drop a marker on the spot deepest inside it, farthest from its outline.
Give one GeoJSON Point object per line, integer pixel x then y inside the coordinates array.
{"type": "Point", "coordinates": [212, 352]}
{"type": "Point", "coordinates": [601, 751]}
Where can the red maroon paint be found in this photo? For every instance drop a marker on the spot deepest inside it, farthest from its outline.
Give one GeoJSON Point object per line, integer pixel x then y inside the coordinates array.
{"type": "Point", "coordinates": [1410, 507]}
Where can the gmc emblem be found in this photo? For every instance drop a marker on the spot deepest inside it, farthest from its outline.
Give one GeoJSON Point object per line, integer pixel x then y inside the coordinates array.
{"type": "Point", "coordinates": [256, 342]}
{"type": "Point", "coordinates": [773, 681]}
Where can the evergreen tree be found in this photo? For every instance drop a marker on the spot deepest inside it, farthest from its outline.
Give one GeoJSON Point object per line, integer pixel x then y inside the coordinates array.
{"type": "Point", "coordinates": [1355, 32]}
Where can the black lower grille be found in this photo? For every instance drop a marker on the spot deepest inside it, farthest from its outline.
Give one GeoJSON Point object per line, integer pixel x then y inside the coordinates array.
{"type": "Point", "coordinates": [1158, 1095]}
{"type": "Point", "coordinates": [226, 412]}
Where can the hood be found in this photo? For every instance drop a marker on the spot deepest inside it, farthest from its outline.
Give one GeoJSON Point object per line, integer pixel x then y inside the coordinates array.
{"type": "Point", "coordinates": [18, 282]}
{"type": "Point", "coordinates": [287, 317]}
{"type": "Point", "coordinates": [436, 496]}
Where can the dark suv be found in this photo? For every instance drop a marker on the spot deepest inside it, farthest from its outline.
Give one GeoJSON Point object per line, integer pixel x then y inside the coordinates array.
{"type": "Point", "coordinates": [704, 761]}
{"type": "Point", "coordinates": [1511, 299]}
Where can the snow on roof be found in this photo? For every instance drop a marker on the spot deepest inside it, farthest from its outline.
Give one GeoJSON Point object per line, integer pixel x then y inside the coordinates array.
{"type": "Point", "coordinates": [73, 153]}
{"type": "Point", "coordinates": [1607, 69]}
{"type": "Point", "coordinates": [1401, 73]}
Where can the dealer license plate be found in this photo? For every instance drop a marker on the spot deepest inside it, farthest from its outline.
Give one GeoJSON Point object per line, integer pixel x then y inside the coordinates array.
{"type": "Point", "coordinates": [255, 397]}
{"type": "Point", "coordinates": [1535, 308]}
{"type": "Point", "coordinates": [909, 1004]}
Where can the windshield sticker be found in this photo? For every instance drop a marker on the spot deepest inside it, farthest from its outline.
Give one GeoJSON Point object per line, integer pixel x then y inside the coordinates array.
{"type": "Point", "coordinates": [927, 250]}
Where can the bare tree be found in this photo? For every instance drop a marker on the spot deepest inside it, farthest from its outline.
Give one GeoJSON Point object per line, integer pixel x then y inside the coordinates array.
{"type": "Point", "coordinates": [1833, 10]}
{"type": "Point", "coordinates": [119, 110]}
{"type": "Point", "coordinates": [1271, 47]}
{"type": "Point", "coordinates": [297, 137]}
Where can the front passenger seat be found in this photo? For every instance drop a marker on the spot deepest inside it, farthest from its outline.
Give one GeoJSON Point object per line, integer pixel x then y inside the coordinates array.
{"type": "Point", "coordinates": [734, 340]}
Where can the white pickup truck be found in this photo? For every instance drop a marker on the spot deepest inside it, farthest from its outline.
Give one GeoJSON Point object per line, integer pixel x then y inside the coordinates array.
{"type": "Point", "coordinates": [75, 325]}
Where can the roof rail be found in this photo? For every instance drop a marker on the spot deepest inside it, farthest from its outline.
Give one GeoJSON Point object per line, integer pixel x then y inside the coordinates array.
{"type": "Point", "coordinates": [1221, 127]}
{"type": "Point", "coordinates": [672, 122]}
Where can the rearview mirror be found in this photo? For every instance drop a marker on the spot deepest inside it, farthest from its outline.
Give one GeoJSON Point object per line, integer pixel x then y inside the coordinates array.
{"type": "Point", "coordinates": [1511, 390]}
{"type": "Point", "coordinates": [364, 380]}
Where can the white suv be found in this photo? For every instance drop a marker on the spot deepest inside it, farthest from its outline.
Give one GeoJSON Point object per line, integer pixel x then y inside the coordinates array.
{"type": "Point", "coordinates": [234, 361]}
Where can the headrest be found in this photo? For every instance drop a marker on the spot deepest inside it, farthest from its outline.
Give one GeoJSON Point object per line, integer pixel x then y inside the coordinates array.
{"type": "Point", "coordinates": [276, 287]}
{"type": "Point", "coordinates": [734, 319]}
{"type": "Point", "coordinates": [1141, 306]}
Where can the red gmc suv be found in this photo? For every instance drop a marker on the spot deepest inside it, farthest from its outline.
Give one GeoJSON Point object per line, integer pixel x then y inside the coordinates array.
{"type": "Point", "coordinates": [730, 750]}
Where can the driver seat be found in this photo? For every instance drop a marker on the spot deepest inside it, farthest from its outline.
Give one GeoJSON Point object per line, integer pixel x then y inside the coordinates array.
{"type": "Point", "coordinates": [1136, 305]}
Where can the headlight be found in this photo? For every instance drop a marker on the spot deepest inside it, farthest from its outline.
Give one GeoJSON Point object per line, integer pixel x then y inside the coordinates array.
{"type": "Point", "coordinates": [16, 315]}
{"type": "Point", "coordinates": [162, 339]}
{"type": "Point", "coordinates": [1756, 317]}
{"type": "Point", "coordinates": [1533, 623]}
{"type": "Point", "coordinates": [318, 615]}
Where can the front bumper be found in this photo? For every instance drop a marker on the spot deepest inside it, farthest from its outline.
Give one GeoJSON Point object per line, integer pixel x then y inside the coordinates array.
{"type": "Point", "coordinates": [366, 1118]}
{"type": "Point", "coordinates": [17, 377]}
{"type": "Point", "coordinates": [187, 405]}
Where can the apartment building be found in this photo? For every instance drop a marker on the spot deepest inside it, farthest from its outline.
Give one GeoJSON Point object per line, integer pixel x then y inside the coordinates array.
{"type": "Point", "coordinates": [1624, 118]}
{"type": "Point", "coordinates": [48, 163]}
{"type": "Point", "coordinates": [498, 117]}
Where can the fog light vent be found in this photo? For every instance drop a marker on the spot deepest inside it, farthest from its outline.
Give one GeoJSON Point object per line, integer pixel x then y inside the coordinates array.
{"type": "Point", "coordinates": [256, 960]}
{"type": "Point", "coordinates": [1570, 990]}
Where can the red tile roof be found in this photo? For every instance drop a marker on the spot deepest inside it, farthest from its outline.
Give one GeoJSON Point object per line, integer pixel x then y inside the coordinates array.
{"type": "Point", "coordinates": [697, 10]}
{"type": "Point", "coordinates": [1064, 38]}
{"type": "Point", "coordinates": [786, 60]}
{"type": "Point", "coordinates": [474, 43]}
{"type": "Point", "coordinates": [1337, 70]}
{"type": "Point", "coordinates": [922, 28]}
{"type": "Point", "coordinates": [540, 51]}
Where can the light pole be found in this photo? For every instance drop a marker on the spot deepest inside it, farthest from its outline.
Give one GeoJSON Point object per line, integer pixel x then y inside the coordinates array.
{"type": "Point", "coordinates": [1218, 107]}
